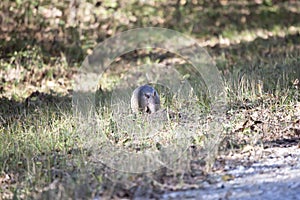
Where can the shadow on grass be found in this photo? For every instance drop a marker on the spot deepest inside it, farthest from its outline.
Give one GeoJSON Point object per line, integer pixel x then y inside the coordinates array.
{"type": "Point", "coordinates": [12, 110]}
{"type": "Point", "coordinates": [202, 18]}
{"type": "Point", "coordinates": [50, 46]}
{"type": "Point", "coordinates": [283, 143]}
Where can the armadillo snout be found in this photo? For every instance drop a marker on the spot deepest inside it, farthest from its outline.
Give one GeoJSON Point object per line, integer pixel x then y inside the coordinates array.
{"type": "Point", "coordinates": [152, 107]}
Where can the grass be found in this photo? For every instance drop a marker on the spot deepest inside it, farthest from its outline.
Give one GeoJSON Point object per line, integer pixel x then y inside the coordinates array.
{"type": "Point", "coordinates": [42, 154]}
{"type": "Point", "coordinates": [45, 153]}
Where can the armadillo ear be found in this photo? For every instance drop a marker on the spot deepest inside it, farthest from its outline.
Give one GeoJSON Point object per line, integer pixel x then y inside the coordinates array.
{"type": "Point", "coordinates": [154, 93]}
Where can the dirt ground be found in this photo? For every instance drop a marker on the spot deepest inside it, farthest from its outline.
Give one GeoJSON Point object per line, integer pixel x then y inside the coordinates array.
{"type": "Point", "coordinates": [274, 176]}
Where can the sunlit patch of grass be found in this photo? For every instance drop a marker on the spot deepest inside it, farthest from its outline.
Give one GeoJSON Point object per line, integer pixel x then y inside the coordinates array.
{"type": "Point", "coordinates": [35, 145]}
{"type": "Point", "coordinates": [263, 103]}
{"type": "Point", "coordinates": [231, 36]}
{"type": "Point", "coordinates": [41, 148]}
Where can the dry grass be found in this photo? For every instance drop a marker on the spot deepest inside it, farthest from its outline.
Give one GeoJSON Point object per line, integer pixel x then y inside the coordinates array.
{"type": "Point", "coordinates": [45, 153]}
